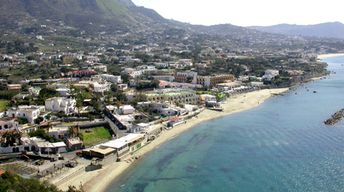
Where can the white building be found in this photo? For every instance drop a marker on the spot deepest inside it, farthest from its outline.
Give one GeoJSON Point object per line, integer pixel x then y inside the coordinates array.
{"type": "Point", "coordinates": [111, 78]}
{"type": "Point", "coordinates": [126, 144]}
{"type": "Point", "coordinates": [61, 104]}
{"type": "Point", "coordinates": [126, 109]}
{"type": "Point", "coordinates": [100, 68]}
{"type": "Point", "coordinates": [8, 124]}
{"type": "Point", "coordinates": [146, 68]}
{"type": "Point", "coordinates": [207, 98]}
{"type": "Point", "coordinates": [44, 147]}
{"type": "Point", "coordinates": [269, 74]}
{"type": "Point", "coordinates": [59, 132]}
{"type": "Point", "coordinates": [133, 72]}
{"type": "Point", "coordinates": [30, 113]}
{"type": "Point", "coordinates": [100, 87]}
{"type": "Point", "coordinates": [64, 92]}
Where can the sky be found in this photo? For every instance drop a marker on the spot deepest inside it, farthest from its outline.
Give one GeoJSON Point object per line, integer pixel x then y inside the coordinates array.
{"type": "Point", "coordinates": [248, 12]}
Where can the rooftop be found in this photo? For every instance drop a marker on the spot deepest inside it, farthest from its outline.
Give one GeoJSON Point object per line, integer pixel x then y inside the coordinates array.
{"type": "Point", "coordinates": [118, 143]}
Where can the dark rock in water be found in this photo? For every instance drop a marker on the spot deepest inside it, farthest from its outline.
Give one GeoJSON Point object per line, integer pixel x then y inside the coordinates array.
{"type": "Point", "coordinates": [335, 118]}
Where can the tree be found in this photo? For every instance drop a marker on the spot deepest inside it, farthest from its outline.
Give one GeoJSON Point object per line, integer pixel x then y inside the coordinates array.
{"type": "Point", "coordinates": [74, 189]}
{"type": "Point", "coordinates": [125, 78]}
{"type": "Point", "coordinates": [45, 94]}
{"type": "Point", "coordinates": [40, 133]}
{"type": "Point", "coordinates": [39, 120]}
{"type": "Point", "coordinates": [22, 120]}
{"type": "Point", "coordinates": [13, 182]}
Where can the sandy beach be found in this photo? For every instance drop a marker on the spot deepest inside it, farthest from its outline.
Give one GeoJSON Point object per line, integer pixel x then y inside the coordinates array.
{"type": "Point", "coordinates": [325, 56]}
{"type": "Point", "coordinates": [98, 181]}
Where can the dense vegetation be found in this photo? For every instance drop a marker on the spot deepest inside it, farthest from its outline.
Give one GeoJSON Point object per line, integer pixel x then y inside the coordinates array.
{"type": "Point", "coordinates": [11, 182]}
{"type": "Point", "coordinates": [40, 133]}
{"type": "Point", "coordinates": [3, 105]}
{"type": "Point", "coordinates": [17, 46]}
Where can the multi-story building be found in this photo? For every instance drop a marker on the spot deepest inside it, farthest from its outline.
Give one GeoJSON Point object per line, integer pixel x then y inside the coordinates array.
{"type": "Point", "coordinates": [182, 96]}
{"type": "Point", "coordinates": [186, 77]}
{"type": "Point", "coordinates": [169, 78]}
{"type": "Point", "coordinates": [61, 104]}
{"type": "Point", "coordinates": [100, 87]}
{"type": "Point", "coordinates": [210, 81]}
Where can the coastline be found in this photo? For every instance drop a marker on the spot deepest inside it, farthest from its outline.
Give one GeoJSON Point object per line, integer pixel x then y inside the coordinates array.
{"type": "Point", "coordinates": [110, 171]}
{"type": "Point", "coordinates": [325, 56]}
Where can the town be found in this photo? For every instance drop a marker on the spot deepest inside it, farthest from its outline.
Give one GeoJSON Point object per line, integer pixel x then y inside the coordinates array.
{"type": "Point", "coordinates": [85, 86]}
{"type": "Point", "coordinates": [82, 109]}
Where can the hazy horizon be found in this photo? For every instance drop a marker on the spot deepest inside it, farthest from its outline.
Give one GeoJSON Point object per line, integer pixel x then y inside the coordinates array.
{"type": "Point", "coordinates": [264, 12]}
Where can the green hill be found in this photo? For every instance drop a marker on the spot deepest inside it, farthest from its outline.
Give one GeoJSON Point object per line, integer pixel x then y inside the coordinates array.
{"type": "Point", "coordinates": [81, 14]}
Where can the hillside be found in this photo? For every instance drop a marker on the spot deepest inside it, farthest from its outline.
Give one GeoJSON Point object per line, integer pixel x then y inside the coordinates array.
{"type": "Point", "coordinates": [323, 30]}
{"type": "Point", "coordinates": [76, 24]}
{"type": "Point", "coordinates": [87, 15]}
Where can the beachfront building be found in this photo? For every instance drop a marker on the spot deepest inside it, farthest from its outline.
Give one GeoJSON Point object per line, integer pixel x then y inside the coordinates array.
{"type": "Point", "coordinates": [166, 84]}
{"type": "Point", "coordinates": [210, 81]}
{"type": "Point", "coordinates": [61, 104]}
{"type": "Point", "coordinates": [99, 152]}
{"type": "Point", "coordinates": [152, 132]}
{"type": "Point", "coordinates": [270, 74]}
{"type": "Point", "coordinates": [204, 98]}
{"type": "Point", "coordinates": [42, 146]}
{"type": "Point", "coordinates": [74, 144]}
{"type": "Point", "coordinates": [127, 144]}
{"type": "Point", "coordinates": [176, 96]}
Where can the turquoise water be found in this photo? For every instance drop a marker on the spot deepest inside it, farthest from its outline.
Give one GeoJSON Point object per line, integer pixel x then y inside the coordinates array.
{"type": "Point", "coordinates": [282, 145]}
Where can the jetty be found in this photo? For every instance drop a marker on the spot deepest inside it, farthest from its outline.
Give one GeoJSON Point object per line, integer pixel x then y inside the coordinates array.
{"type": "Point", "coordinates": [335, 118]}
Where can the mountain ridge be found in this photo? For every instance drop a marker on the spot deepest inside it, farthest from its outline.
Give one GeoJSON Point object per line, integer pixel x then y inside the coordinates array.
{"type": "Point", "coordinates": [321, 30]}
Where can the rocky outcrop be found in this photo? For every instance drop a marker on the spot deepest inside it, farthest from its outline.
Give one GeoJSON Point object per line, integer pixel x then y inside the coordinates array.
{"type": "Point", "coordinates": [335, 118]}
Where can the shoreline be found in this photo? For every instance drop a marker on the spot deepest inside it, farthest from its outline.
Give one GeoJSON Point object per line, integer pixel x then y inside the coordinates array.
{"type": "Point", "coordinates": [111, 171]}
{"type": "Point", "coordinates": [329, 55]}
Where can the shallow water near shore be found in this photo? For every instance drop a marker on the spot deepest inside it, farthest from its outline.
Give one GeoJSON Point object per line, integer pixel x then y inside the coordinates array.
{"type": "Point", "coordinates": [282, 145]}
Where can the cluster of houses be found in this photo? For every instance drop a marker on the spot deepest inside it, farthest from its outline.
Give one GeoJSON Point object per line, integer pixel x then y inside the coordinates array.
{"type": "Point", "coordinates": [176, 96]}
{"type": "Point", "coordinates": [182, 87]}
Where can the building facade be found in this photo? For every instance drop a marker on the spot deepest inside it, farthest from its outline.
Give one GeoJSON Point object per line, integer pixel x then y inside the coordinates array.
{"type": "Point", "coordinates": [176, 96]}
{"type": "Point", "coordinates": [61, 104]}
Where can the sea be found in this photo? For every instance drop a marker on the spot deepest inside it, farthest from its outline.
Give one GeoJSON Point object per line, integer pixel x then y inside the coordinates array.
{"type": "Point", "coordinates": [282, 145]}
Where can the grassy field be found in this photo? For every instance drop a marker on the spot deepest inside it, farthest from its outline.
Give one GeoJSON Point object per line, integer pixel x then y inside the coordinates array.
{"type": "Point", "coordinates": [95, 135]}
{"type": "Point", "coordinates": [3, 105]}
